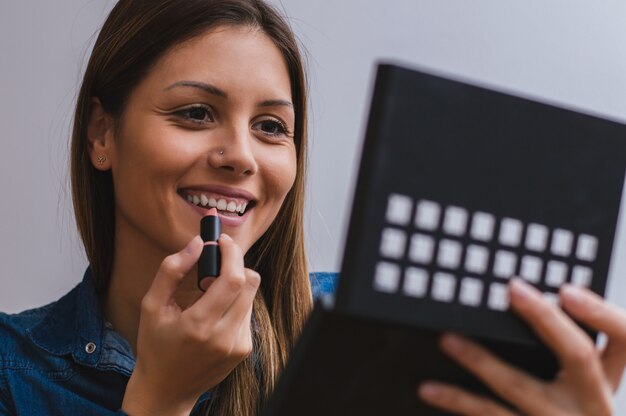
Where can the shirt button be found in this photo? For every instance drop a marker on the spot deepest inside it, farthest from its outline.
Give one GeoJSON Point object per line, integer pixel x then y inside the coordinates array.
{"type": "Point", "coordinates": [90, 347]}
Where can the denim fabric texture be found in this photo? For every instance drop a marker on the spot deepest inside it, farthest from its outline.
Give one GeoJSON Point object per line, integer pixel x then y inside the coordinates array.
{"type": "Point", "coordinates": [64, 359]}
{"type": "Point", "coordinates": [323, 284]}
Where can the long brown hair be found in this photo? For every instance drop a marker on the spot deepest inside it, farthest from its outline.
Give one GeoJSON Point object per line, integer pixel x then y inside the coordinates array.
{"type": "Point", "coordinates": [135, 35]}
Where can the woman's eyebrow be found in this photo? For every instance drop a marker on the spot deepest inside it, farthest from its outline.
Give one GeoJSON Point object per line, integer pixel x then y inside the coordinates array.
{"type": "Point", "coordinates": [211, 89]}
{"type": "Point", "coordinates": [274, 103]}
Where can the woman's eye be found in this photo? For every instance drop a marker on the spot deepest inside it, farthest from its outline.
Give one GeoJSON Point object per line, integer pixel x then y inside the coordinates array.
{"type": "Point", "coordinates": [197, 114]}
{"type": "Point", "coordinates": [271, 127]}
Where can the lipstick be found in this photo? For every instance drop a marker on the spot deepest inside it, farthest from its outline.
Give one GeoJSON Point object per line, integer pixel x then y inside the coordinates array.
{"type": "Point", "coordinates": [209, 263]}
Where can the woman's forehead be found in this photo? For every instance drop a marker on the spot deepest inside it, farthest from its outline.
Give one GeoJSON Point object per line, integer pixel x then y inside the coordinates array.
{"type": "Point", "coordinates": [234, 59]}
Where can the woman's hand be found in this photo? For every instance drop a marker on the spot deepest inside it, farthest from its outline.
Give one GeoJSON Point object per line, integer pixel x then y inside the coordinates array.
{"type": "Point", "coordinates": [183, 353]}
{"type": "Point", "coordinates": [588, 377]}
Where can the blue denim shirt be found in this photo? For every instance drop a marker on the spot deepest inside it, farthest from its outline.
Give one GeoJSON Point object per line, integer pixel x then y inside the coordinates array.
{"type": "Point", "coordinates": [63, 358]}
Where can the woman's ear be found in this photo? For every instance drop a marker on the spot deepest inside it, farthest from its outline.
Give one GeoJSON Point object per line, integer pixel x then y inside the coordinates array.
{"type": "Point", "coordinates": [100, 133]}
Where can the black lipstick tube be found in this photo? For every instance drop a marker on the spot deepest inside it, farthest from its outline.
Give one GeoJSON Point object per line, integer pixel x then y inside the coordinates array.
{"type": "Point", "coordinates": [210, 259]}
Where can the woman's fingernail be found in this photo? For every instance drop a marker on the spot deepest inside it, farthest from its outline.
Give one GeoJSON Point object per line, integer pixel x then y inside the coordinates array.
{"type": "Point", "coordinates": [225, 237]}
{"type": "Point", "coordinates": [453, 343]}
{"type": "Point", "coordinates": [190, 244]}
{"type": "Point", "coordinates": [572, 294]}
{"type": "Point", "coordinates": [521, 290]}
{"type": "Point", "coordinates": [429, 390]}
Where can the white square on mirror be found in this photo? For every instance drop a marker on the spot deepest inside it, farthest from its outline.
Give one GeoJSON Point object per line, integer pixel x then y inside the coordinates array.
{"type": "Point", "coordinates": [455, 221]}
{"type": "Point", "coordinates": [393, 243]}
{"type": "Point", "coordinates": [556, 273]}
{"type": "Point", "coordinates": [536, 237]}
{"type": "Point", "coordinates": [587, 247]}
{"type": "Point", "coordinates": [482, 226]}
{"type": "Point", "coordinates": [399, 209]}
{"type": "Point", "coordinates": [581, 276]}
{"type": "Point", "coordinates": [449, 255]}
{"type": "Point", "coordinates": [504, 264]}
{"type": "Point", "coordinates": [443, 287]}
{"type": "Point", "coordinates": [531, 268]}
{"type": "Point", "coordinates": [562, 242]}
{"type": "Point", "coordinates": [427, 215]}
{"type": "Point", "coordinates": [471, 291]}
{"type": "Point", "coordinates": [421, 248]}
{"type": "Point", "coordinates": [415, 282]}
{"type": "Point", "coordinates": [386, 277]}
{"type": "Point", "coordinates": [510, 232]}
{"type": "Point", "coordinates": [476, 259]}
{"type": "Point", "coordinates": [498, 297]}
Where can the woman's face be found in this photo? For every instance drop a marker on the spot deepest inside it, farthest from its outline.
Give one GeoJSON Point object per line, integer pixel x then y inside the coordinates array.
{"type": "Point", "coordinates": [211, 125]}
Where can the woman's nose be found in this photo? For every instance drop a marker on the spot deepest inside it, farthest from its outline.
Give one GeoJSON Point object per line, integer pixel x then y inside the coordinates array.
{"type": "Point", "coordinates": [234, 153]}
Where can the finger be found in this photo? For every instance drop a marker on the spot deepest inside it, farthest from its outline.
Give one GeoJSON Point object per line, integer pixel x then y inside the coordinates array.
{"type": "Point", "coordinates": [512, 384]}
{"type": "Point", "coordinates": [454, 399]}
{"type": "Point", "coordinates": [227, 286]}
{"type": "Point", "coordinates": [573, 347]}
{"type": "Point", "coordinates": [238, 314]}
{"type": "Point", "coordinates": [236, 322]}
{"type": "Point", "coordinates": [171, 272]}
{"type": "Point", "coordinates": [592, 310]}
{"type": "Point", "coordinates": [613, 362]}
{"type": "Point", "coordinates": [245, 332]}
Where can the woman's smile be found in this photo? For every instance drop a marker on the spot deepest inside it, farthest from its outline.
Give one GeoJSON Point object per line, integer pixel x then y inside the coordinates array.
{"type": "Point", "coordinates": [233, 205]}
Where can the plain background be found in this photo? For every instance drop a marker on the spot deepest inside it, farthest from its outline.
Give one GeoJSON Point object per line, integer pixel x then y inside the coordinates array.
{"type": "Point", "coordinates": [571, 52]}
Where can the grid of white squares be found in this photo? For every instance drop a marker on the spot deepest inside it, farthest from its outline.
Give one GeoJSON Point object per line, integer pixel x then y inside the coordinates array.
{"type": "Point", "coordinates": [442, 287]}
{"type": "Point", "coordinates": [429, 216]}
{"type": "Point", "coordinates": [409, 235]}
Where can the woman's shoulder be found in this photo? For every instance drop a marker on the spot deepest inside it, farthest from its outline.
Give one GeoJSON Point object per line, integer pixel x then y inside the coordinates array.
{"type": "Point", "coordinates": [19, 332]}
{"type": "Point", "coordinates": [15, 328]}
{"type": "Point", "coordinates": [323, 283]}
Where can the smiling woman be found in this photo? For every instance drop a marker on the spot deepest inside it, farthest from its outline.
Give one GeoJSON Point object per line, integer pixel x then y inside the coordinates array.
{"type": "Point", "coordinates": [203, 124]}
{"type": "Point", "coordinates": [209, 116]}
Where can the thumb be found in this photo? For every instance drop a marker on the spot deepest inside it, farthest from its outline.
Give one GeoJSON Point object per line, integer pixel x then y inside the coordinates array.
{"type": "Point", "coordinates": [172, 270]}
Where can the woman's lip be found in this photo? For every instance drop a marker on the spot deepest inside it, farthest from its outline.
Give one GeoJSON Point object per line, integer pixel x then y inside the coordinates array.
{"type": "Point", "coordinates": [227, 220]}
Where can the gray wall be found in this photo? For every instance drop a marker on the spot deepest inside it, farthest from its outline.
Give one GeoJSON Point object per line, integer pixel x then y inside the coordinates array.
{"type": "Point", "coordinates": [42, 47]}
{"type": "Point", "coordinates": [565, 51]}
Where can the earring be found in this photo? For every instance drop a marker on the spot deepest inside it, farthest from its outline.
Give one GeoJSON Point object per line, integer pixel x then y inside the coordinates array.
{"type": "Point", "coordinates": [101, 160]}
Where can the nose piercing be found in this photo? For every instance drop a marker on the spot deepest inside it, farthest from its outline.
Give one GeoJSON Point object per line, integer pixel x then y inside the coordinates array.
{"type": "Point", "coordinates": [101, 160]}
{"type": "Point", "coordinates": [221, 152]}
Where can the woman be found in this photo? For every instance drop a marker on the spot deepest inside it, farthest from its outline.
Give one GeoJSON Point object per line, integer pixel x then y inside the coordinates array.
{"type": "Point", "coordinates": [187, 105]}
{"type": "Point", "coordinates": [199, 99]}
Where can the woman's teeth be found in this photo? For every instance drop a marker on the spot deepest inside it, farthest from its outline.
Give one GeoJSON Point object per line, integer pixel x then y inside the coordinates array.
{"type": "Point", "coordinates": [221, 204]}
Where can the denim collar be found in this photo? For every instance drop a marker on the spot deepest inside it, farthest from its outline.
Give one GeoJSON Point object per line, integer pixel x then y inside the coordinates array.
{"type": "Point", "coordinates": [74, 322]}
{"type": "Point", "coordinates": [73, 325]}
